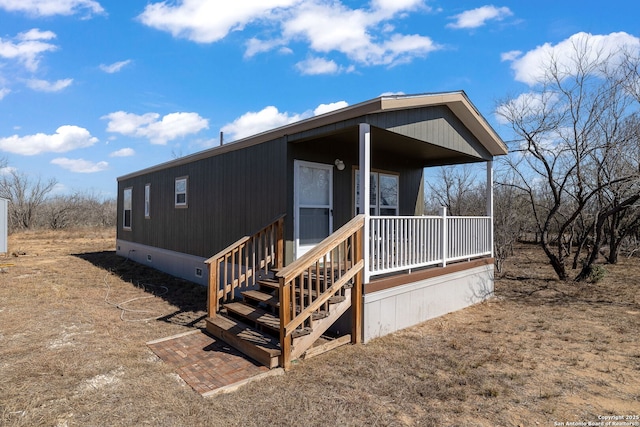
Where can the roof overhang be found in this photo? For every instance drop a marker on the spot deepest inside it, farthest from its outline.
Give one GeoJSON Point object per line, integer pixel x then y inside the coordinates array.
{"type": "Point", "coordinates": [461, 106]}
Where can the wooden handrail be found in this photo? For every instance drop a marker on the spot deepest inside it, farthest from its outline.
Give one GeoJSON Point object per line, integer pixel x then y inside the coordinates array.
{"type": "Point", "coordinates": [229, 249]}
{"type": "Point", "coordinates": [302, 263]}
{"type": "Point", "coordinates": [316, 277]}
{"type": "Point", "coordinates": [242, 260]}
{"type": "Point", "coordinates": [317, 304]}
{"type": "Point", "coordinates": [242, 240]}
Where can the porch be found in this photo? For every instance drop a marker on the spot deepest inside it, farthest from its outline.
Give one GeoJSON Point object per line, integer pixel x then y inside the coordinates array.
{"type": "Point", "coordinates": [276, 314]}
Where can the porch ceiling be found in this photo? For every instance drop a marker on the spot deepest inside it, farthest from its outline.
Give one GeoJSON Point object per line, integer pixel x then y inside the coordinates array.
{"type": "Point", "coordinates": [385, 143]}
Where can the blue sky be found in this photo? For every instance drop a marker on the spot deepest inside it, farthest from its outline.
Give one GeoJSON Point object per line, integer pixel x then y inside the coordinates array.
{"type": "Point", "coordinates": [91, 90]}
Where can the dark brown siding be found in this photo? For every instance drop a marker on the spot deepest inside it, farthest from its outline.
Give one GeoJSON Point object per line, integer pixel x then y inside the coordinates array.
{"type": "Point", "coordinates": [228, 196]}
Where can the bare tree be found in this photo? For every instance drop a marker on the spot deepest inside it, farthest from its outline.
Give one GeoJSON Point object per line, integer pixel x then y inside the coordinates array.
{"type": "Point", "coordinates": [510, 216]}
{"type": "Point", "coordinates": [80, 209]}
{"type": "Point", "coordinates": [25, 197]}
{"type": "Point", "coordinates": [570, 128]}
{"type": "Point", "coordinates": [617, 210]}
{"type": "Point", "coordinates": [459, 190]}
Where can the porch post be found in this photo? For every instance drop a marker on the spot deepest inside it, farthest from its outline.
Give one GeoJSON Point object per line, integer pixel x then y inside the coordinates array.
{"type": "Point", "coordinates": [489, 197]}
{"type": "Point", "coordinates": [365, 189]}
{"type": "Point", "coordinates": [444, 247]}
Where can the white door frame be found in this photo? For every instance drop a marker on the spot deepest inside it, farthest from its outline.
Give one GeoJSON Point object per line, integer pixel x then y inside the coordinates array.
{"type": "Point", "coordinates": [298, 251]}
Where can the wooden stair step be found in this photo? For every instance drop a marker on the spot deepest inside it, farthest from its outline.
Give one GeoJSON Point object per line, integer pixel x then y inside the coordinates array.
{"type": "Point", "coordinates": [321, 278]}
{"type": "Point", "coordinates": [305, 292]}
{"type": "Point", "coordinates": [333, 300]}
{"type": "Point", "coordinates": [300, 332]}
{"type": "Point", "coordinates": [336, 299]}
{"type": "Point", "coordinates": [269, 283]}
{"type": "Point", "coordinates": [319, 315]}
{"type": "Point", "coordinates": [258, 296]}
{"type": "Point", "coordinates": [256, 315]}
{"type": "Point", "coordinates": [261, 347]}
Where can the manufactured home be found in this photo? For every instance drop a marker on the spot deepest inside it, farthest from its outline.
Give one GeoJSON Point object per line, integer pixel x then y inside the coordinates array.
{"type": "Point", "coordinates": [317, 229]}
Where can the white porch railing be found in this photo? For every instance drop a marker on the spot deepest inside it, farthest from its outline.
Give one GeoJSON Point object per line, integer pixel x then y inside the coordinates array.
{"type": "Point", "coordinates": [405, 242]}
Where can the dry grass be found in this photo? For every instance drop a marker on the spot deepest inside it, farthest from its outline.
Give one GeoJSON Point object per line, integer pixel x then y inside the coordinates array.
{"type": "Point", "coordinates": [541, 352]}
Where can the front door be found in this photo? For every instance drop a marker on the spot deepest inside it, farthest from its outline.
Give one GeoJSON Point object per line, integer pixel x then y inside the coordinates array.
{"type": "Point", "coordinates": [313, 204]}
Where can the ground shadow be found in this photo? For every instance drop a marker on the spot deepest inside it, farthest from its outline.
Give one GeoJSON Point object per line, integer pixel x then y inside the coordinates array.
{"type": "Point", "coordinates": [537, 291]}
{"type": "Point", "coordinates": [190, 298]}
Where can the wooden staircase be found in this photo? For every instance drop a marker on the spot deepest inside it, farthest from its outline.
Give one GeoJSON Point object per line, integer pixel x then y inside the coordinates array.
{"type": "Point", "coordinates": [275, 314]}
{"type": "Point", "coordinates": [251, 324]}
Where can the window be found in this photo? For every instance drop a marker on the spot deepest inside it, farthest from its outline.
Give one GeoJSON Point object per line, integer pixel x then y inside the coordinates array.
{"type": "Point", "coordinates": [388, 194]}
{"type": "Point", "coordinates": [126, 203]}
{"type": "Point", "coordinates": [147, 201]}
{"type": "Point", "coordinates": [181, 192]}
{"type": "Point", "coordinates": [383, 195]}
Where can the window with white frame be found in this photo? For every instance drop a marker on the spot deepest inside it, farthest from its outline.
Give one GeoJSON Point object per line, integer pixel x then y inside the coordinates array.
{"type": "Point", "coordinates": [147, 201]}
{"type": "Point", "coordinates": [181, 192]}
{"type": "Point", "coordinates": [383, 193]}
{"type": "Point", "coordinates": [126, 206]}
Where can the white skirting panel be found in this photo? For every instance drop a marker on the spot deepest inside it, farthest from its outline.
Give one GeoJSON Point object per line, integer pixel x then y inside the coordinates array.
{"type": "Point", "coordinates": [403, 306]}
{"type": "Point", "coordinates": [177, 264]}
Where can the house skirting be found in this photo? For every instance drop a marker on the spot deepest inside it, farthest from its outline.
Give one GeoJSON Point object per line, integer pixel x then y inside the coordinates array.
{"type": "Point", "coordinates": [389, 306]}
{"type": "Point", "coordinates": [177, 264]}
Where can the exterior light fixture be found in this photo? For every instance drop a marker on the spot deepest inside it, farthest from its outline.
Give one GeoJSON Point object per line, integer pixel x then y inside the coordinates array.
{"type": "Point", "coordinates": [339, 164]}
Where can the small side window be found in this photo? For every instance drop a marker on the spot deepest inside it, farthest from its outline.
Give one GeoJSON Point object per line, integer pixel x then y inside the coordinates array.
{"type": "Point", "coordinates": [126, 203]}
{"type": "Point", "coordinates": [147, 201]}
{"type": "Point", "coordinates": [181, 192]}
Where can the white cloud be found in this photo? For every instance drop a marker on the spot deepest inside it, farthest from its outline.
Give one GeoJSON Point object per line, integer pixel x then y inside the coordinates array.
{"type": "Point", "coordinates": [531, 67]}
{"type": "Point", "coordinates": [255, 46]}
{"type": "Point", "coordinates": [123, 152]}
{"type": "Point", "coordinates": [393, 6]}
{"type": "Point", "coordinates": [314, 66]}
{"type": "Point", "coordinates": [65, 139]}
{"type": "Point", "coordinates": [365, 36]}
{"type": "Point", "coordinates": [478, 17]}
{"type": "Point", "coordinates": [115, 67]}
{"type": "Point", "coordinates": [51, 7]}
{"type": "Point", "coordinates": [58, 188]}
{"type": "Point", "coordinates": [354, 33]}
{"type": "Point", "coordinates": [512, 55]}
{"type": "Point", "coordinates": [253, 123]}
{"type": "Point", "coordinates": [8, 170]}
{"type": "Point", "coordinates": [4, 92]}
{"type": "Point", "coordinates": [403, 48]}
{"type": "Point", "coordinates": [327, 108]}
{"type": "Point", "coordinates": [36, 34]}
{"type": "Point", "coordinates": [392, 94]}
{"type": "Point", "coordinates": [526, 105]}
{"type": "Point", "coordinates": [206, 21]}
{"type": "Point", "coordinates": [151, 126]}
{"type": "Point", "coordinates": [27, 47]}
{"type": "Point", "coordinates": [80, 165]}
{"type": "Point", "coordinates": [45, 86]}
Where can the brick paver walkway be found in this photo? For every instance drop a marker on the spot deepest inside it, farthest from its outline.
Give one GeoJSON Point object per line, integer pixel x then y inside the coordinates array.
{"type": "Point", "coordinates": [207, 364]}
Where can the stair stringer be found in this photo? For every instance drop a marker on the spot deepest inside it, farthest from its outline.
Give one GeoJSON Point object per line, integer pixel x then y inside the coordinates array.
{"type": "Point", "coordinates": [302, 344]}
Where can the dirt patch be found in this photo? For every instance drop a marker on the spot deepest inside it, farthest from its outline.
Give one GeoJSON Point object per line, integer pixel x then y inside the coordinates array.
{"type": "Point", "coordinates": [74, 320]}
